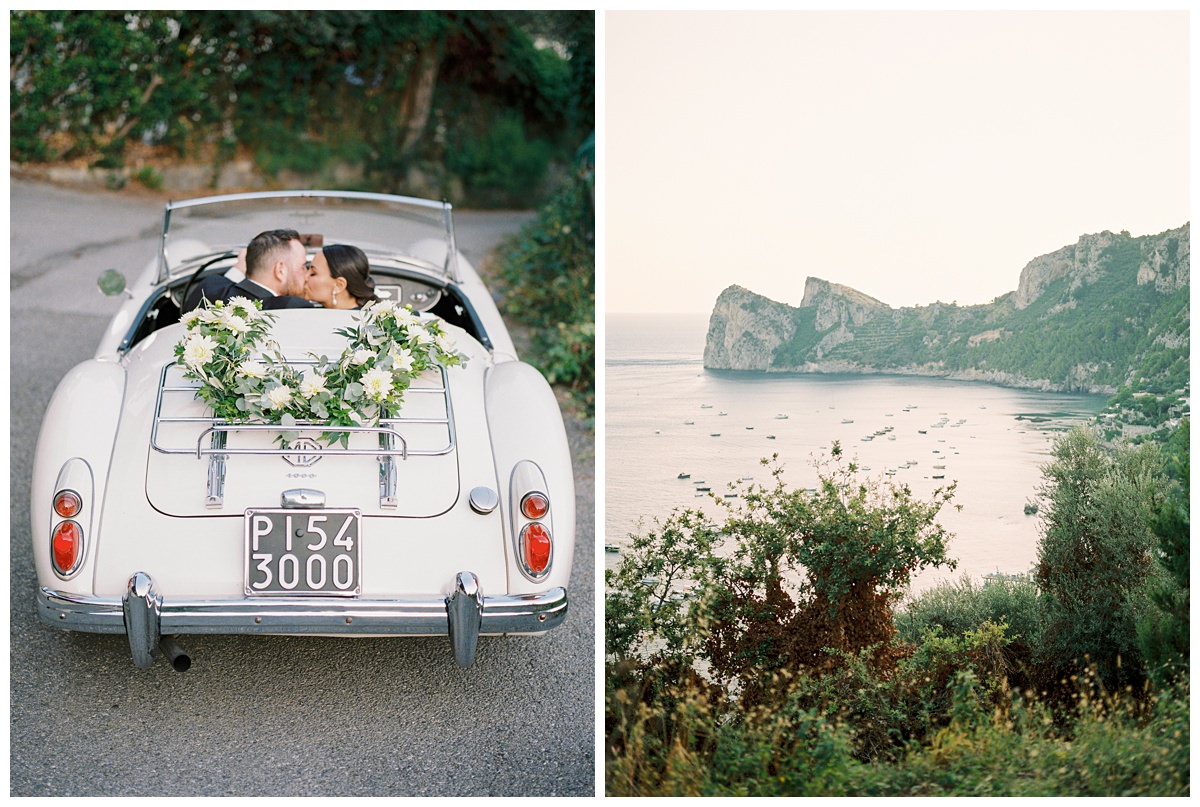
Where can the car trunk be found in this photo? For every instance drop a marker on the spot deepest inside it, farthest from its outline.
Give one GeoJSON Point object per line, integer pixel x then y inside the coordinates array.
{"type": "Point", "coordinates": [409, 467]}
{"type": "Point", "coordinates": [164, 513]}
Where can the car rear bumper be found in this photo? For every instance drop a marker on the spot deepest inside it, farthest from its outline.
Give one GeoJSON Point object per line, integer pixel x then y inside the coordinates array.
{"type": "Point", "coordinates": [463, 615]}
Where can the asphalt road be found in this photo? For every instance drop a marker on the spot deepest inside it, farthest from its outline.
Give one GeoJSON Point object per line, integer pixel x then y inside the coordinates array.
{"type": "Point", "coordinates": [262, 716]}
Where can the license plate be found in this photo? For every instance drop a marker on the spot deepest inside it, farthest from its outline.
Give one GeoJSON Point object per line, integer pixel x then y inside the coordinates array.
{"type": "Point", "coordinates": [303, 552]}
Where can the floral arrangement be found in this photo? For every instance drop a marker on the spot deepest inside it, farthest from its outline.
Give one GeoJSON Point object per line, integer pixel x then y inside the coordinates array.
{"type": "Point", "coordinates": [245, 379]}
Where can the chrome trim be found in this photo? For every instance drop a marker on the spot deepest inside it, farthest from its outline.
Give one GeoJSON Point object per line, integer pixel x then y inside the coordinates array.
{"type": "Point", "coordinates": [141, 611]}
{"type": "Point", "coordinates": [449, 269]}
{"type": "Point", "coordinates": [214, 498]}
{"type": "Point", "coordinates": [388, 476]}
{"type": "Point", "coordinates": [504, 613]}
{"type": "Point", "coordinates": [464, 616]}
{"type": "Point", "coordinates": [301, 498]}
{"type": "Point", "coordinates": [388, 427]}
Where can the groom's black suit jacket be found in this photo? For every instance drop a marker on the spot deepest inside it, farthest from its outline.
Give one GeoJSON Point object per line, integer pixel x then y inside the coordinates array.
{"type": "Point", "coordinates": [219, 287]}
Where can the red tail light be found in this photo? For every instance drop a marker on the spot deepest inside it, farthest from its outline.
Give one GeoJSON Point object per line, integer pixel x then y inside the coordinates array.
{"type": "Point", "coordinates": [535, 505]}
{"type": "Point", "coordinates": [536, 543]}
{"type": "Point", "coordinates": [67, 503]}
{"type": "Point", "coordinates": [66, 546]}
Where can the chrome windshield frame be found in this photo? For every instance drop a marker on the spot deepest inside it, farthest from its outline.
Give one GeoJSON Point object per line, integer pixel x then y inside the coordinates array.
{"type": "Point", "coordinates": [449, 268]}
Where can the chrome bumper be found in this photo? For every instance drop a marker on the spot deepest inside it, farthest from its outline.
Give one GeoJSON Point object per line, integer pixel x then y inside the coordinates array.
{"type": "Point", "coordinates": [145, 617]}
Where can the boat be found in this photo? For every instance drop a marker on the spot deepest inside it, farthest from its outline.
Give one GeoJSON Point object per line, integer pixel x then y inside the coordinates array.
{"type": "Point", "coordinates": [716, 434]}
{"type": "Point", "coordinates": [770, 437]}
{"type": "Point", "coordinates": [847, 420]}
{"type": "Point", "coordinates": [722, 414]}
{"type": "Point", "coordinates": [781, 416]}
{"type": "Point", "coordinates": [703, 489]}
{"type": "Point", "coordinates": [689, 423]}
{"type": "Point", "coordinates": [684, 476]}
{"type": "Point", "coordinates": [706, 406]}
{"type": "Point", "coordinates": [749, 428]}
{"type": "Point", "coordinates": [612, 548]}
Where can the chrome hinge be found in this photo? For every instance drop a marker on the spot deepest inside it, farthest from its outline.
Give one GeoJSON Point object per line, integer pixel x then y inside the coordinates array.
{"type": "Point", "coordinates": [387, 475]}
{"type": "Point", "coordinates": [215, 499]}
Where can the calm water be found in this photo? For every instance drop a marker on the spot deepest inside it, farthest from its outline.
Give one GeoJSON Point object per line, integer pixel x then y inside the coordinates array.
{"type": "Point", "coordinates": [663, 410]}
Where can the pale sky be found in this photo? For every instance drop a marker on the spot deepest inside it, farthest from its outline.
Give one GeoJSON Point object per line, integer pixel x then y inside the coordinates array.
{"type": "Point", "coordinates": [915, 156]}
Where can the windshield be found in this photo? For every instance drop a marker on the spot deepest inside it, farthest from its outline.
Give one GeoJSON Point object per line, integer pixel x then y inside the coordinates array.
{"type": "Point", "coordinates": [417, 231]}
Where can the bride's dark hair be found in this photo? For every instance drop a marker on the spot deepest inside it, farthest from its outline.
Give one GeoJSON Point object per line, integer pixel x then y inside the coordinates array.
{"type": "Point", "coordinates": [351, 263]}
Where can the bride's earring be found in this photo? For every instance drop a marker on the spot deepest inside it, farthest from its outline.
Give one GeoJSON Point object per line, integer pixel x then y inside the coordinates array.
{"type": "Point", "coordinates": [335, 298]}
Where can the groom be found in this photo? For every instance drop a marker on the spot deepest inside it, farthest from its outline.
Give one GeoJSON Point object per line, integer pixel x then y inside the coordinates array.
{"type": "Point", "coordinates": [276, 273]}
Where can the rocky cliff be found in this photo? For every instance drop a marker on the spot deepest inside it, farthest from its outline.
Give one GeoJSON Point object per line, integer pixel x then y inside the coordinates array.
{"type": "Point", "coordinates": [1091, 316]}
{"type": "Point", "coordinates": [745, 330]}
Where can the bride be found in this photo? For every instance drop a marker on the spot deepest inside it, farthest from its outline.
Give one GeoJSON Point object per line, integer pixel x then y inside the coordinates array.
{"type": "Point", "coordinates": [339, 277]}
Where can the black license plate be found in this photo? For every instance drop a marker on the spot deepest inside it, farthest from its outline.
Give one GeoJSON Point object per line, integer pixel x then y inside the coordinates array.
{"type": "Point", "coordinates": [303, 552]}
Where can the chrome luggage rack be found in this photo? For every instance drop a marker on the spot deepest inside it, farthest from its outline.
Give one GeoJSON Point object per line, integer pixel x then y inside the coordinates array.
{"type": "Point", "coordinates": [392, 443]}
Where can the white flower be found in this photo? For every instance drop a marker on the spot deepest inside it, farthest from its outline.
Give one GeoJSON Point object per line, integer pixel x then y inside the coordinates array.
{"type": "Point", "coordinates": [278, 397]}
{"type": "Point", "coordinates": [402, 359]}
{"type": "Point", "coordinates": [192, 317]}
{"type": "Point", "coordinates": [361, 356]}
{"type": "Point", "coordinates": [377, 383]}
{"type": "Point", "coordinates": [252, 368]}
{"type": "Point", "coordinates": [312, 384]}
{"type": "Point", "coordinates": [420, 336]}
{"type": "Point", "coordinates": [198, 351]}
{"type": "Point", "coordinates": [357, 418]}
{"type": "Point", "coordinates": [244, 306]}
{"type": "Point", "coordinates": [446, 344]}
{"type": "Point", "coordinates": [405, 316]}
{"type": "Point", "coordinates": [384, 307]}
{"type": "Point", "coordinates": [232, 321]}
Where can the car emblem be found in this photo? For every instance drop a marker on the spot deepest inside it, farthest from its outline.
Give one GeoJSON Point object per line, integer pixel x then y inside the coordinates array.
{"type": "Point", "coordinates": [308, 453]}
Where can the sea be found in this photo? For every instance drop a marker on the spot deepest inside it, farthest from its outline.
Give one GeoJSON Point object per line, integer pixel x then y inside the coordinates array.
{"type": "Point", "coordinates": [672, 427]}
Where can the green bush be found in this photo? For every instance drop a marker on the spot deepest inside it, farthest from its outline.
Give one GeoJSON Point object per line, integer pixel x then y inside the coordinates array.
{"type": "Point", "coordinates": [547, 273]}
{"type": "Point", "coordinates": [150, 178]}
{"type": "Point", "coordinates": [964, 605]}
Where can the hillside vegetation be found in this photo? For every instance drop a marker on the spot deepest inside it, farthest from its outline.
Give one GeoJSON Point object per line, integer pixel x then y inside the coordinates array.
{"type": "Point", "coordinates": [774, 651]}
{"type": "Point", "coordinates": [1108, 315]}
{"type": "Point", "coordinates": [484, 108]}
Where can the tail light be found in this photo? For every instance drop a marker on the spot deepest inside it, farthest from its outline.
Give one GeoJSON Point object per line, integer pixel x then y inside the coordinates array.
{"type": "Point", "coordinates": [67, 503]}
{"type": "Point", "coordinates": [66, 547]}
{"type": "Point", "coordinates": [532, 527]}
{"type": "Point", "coordinates": [535, 541]}
{"type": "Point", "coordinates": [535, 505]}
{"type": "Point", "coordinates": [70, 518]}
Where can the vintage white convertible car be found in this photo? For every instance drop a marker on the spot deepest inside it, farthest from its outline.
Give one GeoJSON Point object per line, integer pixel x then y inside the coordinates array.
{"type": "Point", "coordinates": [453, 516]}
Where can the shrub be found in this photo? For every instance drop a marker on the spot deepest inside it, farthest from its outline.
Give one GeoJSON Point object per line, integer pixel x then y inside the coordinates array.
{"type": "Point", "coordinates": [964, 605]}
{"type": "Point", "coordinates": [548, 275]}
{"type": "Point", "coordinates": [1095, 557]}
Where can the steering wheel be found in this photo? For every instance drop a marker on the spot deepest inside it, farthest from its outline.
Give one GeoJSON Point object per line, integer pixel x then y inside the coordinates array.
{"type": "Point", "coordinates": [187, 287]}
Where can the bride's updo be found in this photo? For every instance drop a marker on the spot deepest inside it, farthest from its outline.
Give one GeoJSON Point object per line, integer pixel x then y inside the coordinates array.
{"type": "Point", "coordinates": [351, 263]}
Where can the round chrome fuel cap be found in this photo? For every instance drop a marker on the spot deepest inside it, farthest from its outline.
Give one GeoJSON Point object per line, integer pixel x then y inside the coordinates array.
{"type": "Point", "coordinates": [484, 500]}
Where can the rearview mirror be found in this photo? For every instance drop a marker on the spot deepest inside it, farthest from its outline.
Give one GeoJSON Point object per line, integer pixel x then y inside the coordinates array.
{"type": "Point", "coordinates": [111, 282]}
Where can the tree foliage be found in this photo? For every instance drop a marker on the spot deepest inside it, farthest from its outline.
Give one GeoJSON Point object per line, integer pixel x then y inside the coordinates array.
{"type": "Point", "coordinates": [790, 579]}
{"type": "Point", "coordinates": [1096, 553]}
{"type": "Point", "coordinates": [486, 100]}
{"type": "Point", "coordinates": [1165, 631]}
